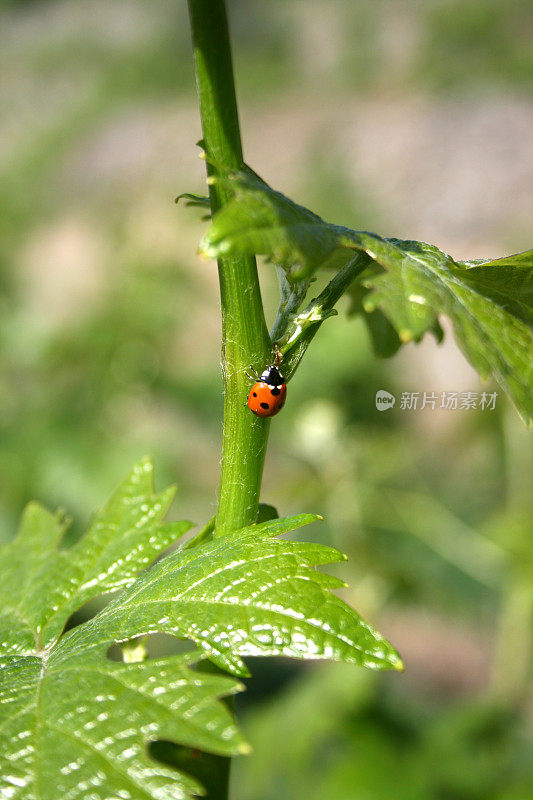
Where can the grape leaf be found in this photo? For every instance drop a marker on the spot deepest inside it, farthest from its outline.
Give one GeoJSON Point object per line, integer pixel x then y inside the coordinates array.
{"type": "Point", "coordinates": [50, 584]}
{"type": "Point", "coordinates": [259, 220]}
{"type": "Point", "coordinates": [488, 302]}
{"type": "Point", "coordinates": [75, 724]}
{"type": "Point", "coordinates": [489, 305]}
{"type": "Point", "coordinates": [247, 594]}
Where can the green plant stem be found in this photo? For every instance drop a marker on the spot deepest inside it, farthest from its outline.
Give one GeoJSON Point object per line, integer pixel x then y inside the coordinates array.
{"type": "Point", "coordinates": [245, 338]}
{"type": "Point", "coordinates": [301, 328]}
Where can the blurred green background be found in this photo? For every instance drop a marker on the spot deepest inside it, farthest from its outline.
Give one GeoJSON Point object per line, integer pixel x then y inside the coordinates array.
{"type": "Point", "coordinates": [408, 118]}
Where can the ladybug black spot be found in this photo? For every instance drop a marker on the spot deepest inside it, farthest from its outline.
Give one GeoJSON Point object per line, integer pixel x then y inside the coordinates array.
{"type": "Point", "coordinates": [264, 405]}
{"type": "Point", "coordinates": [275, 390]}
{"type": "Point", "coordinates": [255, 394]}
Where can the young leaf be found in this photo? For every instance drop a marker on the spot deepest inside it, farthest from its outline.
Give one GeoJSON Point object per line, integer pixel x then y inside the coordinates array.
{"type": "Point", "coordinates": [191, 199]}
{"type": "Point", "coordinates": [489, 303]}
{"type": "Point", "coordinates": [196, 201]}
{"type": "Point", "coordinates": [73, 723]}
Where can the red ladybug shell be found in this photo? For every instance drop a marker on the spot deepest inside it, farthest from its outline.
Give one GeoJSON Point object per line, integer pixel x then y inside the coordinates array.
{"type": "Point", "coordinates": [265, 399]}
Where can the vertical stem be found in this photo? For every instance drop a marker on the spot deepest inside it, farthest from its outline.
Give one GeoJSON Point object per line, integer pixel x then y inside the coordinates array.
{"type": "Point", "coordinates": [245, 338]}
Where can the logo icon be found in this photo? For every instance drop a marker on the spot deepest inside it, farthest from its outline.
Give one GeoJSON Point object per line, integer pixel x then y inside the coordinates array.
{"type": "Point", "coordinates": [384, 400]}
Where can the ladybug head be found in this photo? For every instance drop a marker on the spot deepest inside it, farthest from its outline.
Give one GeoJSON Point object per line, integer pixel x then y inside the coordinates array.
{"type": "Point", "coordinates": [272, 376]}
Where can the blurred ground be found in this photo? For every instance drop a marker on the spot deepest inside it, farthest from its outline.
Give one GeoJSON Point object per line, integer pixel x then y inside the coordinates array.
{"type": "Point", "coordinates": [408, 118]}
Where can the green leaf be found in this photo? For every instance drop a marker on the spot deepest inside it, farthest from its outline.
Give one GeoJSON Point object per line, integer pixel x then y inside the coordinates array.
{"type": "Point", "coordinates": [73, 723]}
{"type": "Point", "coordinates": [246, 594]}
{"type": "Point", "coordinates": [123, 538]}
{"type": "Point", "coordinates": [488, 302]}
{"type": "Point", "coordinates": [489, 305]}
{"type": "Point", "coordinates": [262, 221]}
{"type": "Point", "coordinates": [72, 720]}
{"type": "Point", "coordinates": [515, 293]}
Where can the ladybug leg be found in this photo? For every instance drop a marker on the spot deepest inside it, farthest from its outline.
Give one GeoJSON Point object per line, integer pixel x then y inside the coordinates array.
{"type": "Point", "coordinates": [254, 376]}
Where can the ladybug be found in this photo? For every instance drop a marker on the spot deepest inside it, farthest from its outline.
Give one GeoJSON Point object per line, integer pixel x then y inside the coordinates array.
{"type": "Point", "coordinates": [267, 395]}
